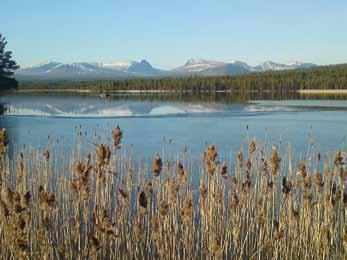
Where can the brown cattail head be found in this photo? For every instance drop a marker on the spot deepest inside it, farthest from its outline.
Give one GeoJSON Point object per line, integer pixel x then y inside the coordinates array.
{"type": "Point", "coordinates": [181, 174]}
{"type": "Point", "coordinates": [155, 228]}
{"type": "Point", "coordinates": [187, 209]}
{"type": "Point", "coordinates": [139, 235]}
{"type": "Point", "coordinates": [302, 170]}
{"type": "Point", "coordinates": [3, 141]}
{"type": "Point", "coordinates": [275, 161]}
{"type": "Point", "coordinates": [240, 159]}
{"type": "Point", "coordinates": [163, 208]}
{"type": "Point", "coordinates": [224, 170]}
{"type": "Point", "coordinates": [123, 194]}
{"type": "Point", "coordinates": [157, 165]}
{"type": "Point", "coordinates": [248, 166]}
{"type": "Point", "coordinates": [234, 202]}
{"type": "Point", "coordinates": [117, 135]}
{"type": "Point", "coordinates": [318, 180]}
{"type": "Point", "coordinates": [252, 147]}
{"type": "Point", "coordinates": [203, 191]}
{"type": "Point", "coordinates": [143, 202]}
{"type": "Point", "coordinates": [210, 156]}
{"type": "Point", "coordinates": [46, 155]}
{"type": "Point", "coordinates": [101, 154]}
{"type": "Point", "coordinates": [47, 200]}
{"type": "Point", "coordinates": [149, 187]}
{"type": "Point", "coordinates": [338, 159]}
{"type": "Point", "coordinates": [172, 188]}
{"type": "Point", "coordinates": [286, 186]}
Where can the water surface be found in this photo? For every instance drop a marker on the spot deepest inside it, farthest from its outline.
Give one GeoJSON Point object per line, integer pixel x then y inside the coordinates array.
{"type": "Point", "coordinates": [172, 125]}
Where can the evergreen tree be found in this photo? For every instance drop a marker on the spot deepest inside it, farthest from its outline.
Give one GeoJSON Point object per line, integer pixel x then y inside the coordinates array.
{"type": "Point", "coordinates": [7, 65]}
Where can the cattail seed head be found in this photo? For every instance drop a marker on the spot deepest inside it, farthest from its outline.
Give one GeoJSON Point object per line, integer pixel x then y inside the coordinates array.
{"type": "Point", "coordinates": [117, 135]}
{"type": "Point", "coordinates": [157, 165]}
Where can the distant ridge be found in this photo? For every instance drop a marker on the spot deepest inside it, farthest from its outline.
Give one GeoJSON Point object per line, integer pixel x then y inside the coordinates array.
{"type": "Point", "coordinates": [54, 70]}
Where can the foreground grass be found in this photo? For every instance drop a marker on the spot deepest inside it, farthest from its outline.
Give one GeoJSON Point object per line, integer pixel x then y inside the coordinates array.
{"type": "Point", "coordinates": [104, 206]}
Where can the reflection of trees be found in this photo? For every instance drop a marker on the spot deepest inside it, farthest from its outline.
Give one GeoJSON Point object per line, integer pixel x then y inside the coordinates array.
{"type": "Point", "coordinates": [218, 97]}
{"type": "Point", "coordinates": [2, 109]}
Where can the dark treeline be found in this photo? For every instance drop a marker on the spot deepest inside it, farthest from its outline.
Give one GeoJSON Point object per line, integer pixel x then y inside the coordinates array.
{"type": "Point", "coordinates": [324, 77]}
{"type": "Point", "coordinates": [7, 67]}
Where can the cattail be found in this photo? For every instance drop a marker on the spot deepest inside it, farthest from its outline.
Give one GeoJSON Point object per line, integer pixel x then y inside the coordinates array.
{"type": "Point", "coordinates": [203, 191]}
{"type": "Point", "coordinates": [138, 231]}
{"type": "Point", "coordinates": [286, 186]}
{"type": "Point", "coordinates": [117, 135]}
{"type": "Point", "coordinates": [107, 154]}
{"type": "Point", "coordinates": [155, 228]}
{"type": "Point", "coordinates": [338, 159]}
{"type": "Point", "coordinates": [264, 166]}
{"type": "Point", "coordinates": [210, 156]}
{"type": "Point", "coordinates": [157, 165]}
{"type": "Point", "coordinates": [3, 141]}
{"type": "Point", "coordinates": [248, 166]}
{"type": "Point", "coordinates": [275, 161]}
{"type": "Point", "coordinates": [94, 245]}
{"type": "Point", "coordinates": [80, 185]}
{"type": "Point", "coordinates": [247, 182]}
{"type": "Point", "coordinates": [252, 147]}
{"type": "Point", "coordinates": [294, 214]}
{"type": "Point", "coordinates": [280, 234]}
{"type": "Point", "coordinates": [302, 170]}
{"type": "Point", "coordinates": [46, 155]}
{"type": "Point", "coordinates": [26, 199]}
{"type": "Point", "coordinates": [181, 174]}
{"type": "Point", "coordinates": [187, 210]}
{"type": "Point", "coordinates": [308, 182]}
{"type": "Point", "coordinates": [240, 159]}
{"type": "Point", "coordinates": [318, 180]}
{"type": "Point", "coordinates": [100, 155]}
{"type": "Point", "coordinates": [224, 171]}
{"type": "Point", "coordinates": [123, 194]}
{"type": "Point", "coordinates": [149, 188]}
{"type": "Point", "coordinates": [173, 189]}
{"type": "Point", "coordinates": [269, 187]}
{"type": "Point", "coordinates": [234, 202]}
{"type": "Point", "coordinates": [216, 248]}
{"type": "Point", "coordinates": [163, 208]}
{"type": "Point", "coordinates": [47, 202]}
{"type": "Point", "coordinates": [143, 202]}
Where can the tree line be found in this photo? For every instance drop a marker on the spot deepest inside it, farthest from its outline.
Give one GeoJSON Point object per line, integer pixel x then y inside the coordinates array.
{"type": "Point", "coordinates": [322, 77]}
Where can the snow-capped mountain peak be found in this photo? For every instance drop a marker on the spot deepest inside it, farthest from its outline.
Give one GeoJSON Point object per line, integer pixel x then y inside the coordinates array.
{"type": "Point", "coordinates": [118, 65]}
{"type": "Point", "coordinates": [127, 69]}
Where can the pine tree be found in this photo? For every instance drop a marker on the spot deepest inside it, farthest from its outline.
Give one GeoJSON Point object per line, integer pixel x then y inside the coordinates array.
{"type": "Point", "coordinates": [7, 65]}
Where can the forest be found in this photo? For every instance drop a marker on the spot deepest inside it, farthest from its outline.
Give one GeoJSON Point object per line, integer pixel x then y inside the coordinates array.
{"type": "Point", "coordinates": [322, 77]}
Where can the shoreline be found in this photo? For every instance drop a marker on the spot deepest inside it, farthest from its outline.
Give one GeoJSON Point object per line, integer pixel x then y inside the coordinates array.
{"type": "Point", "coordinates": [322, 91]}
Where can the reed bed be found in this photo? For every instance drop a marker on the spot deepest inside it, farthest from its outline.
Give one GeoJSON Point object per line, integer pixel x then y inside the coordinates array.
{"type": "Point", "coordinates": [103, 205]}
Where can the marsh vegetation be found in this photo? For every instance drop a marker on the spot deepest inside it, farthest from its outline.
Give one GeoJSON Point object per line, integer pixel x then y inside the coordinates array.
{"type": "Point", "coordinates": [103, 204]}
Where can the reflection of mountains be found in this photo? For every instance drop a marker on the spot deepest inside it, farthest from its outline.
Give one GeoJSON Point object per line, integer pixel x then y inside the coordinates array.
{"type": "Point", "coordinates": [91, 108]}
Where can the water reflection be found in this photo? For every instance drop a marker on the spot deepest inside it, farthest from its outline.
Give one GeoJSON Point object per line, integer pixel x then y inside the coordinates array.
{"type": "Point", "coordinates": [129, 105]}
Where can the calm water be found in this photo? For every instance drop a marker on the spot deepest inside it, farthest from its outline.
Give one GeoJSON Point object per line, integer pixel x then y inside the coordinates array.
{"type": "Point", "coordinates": [167, 125]}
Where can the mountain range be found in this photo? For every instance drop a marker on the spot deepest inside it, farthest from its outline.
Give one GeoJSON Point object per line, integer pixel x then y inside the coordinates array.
{"type": "Point", "coordinates": [116, 70]}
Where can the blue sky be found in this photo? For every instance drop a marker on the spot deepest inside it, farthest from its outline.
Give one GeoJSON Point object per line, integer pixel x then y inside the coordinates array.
{"type": "Point", "coordinates": [167, 33]}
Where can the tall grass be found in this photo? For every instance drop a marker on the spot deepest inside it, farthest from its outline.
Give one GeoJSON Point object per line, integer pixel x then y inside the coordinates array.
{"type": "Point", "coordinates": [106, 206]}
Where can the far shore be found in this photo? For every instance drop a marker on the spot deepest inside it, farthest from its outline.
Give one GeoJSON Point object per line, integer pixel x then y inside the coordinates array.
{"type": "Point", "coordinates": [155, 91]}
{"type": "Point", "coordinates": [120, 91]}
{"type": "Point", "coordinates": [323, 91]}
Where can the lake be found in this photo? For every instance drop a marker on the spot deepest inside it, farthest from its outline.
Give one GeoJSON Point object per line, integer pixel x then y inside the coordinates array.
{"type": "Point", "coordinates": [170, 125]}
